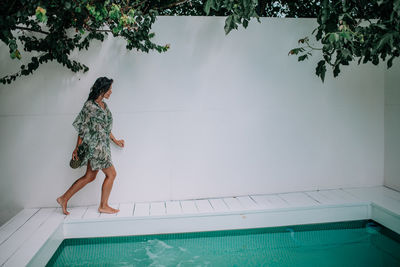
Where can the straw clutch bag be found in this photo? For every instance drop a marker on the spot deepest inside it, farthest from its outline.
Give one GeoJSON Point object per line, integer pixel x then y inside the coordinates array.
{"type": "Point", "coordinates": [82, 150]}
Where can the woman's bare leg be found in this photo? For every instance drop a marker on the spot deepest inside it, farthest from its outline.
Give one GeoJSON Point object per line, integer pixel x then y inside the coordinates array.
{"type": "Point", "coordinates": [89, 176]}
{"type": "Point", "coordinates": [106, 189]}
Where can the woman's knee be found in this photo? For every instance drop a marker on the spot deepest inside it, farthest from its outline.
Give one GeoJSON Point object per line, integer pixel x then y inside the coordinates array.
{"type": "Point", "coordinates": [91, 176]}
{"type": "Point", "coordinates": [112, 174]}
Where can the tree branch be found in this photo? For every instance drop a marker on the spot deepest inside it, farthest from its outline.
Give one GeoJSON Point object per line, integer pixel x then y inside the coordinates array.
{"type": "Point", "coordinates": [30, 29]}
{"type": "Point", "coordinates": [174, 4]}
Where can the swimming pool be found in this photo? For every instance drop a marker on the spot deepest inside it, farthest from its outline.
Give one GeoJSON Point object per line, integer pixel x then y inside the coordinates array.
{"type": "Point", "coordinates": [352, 243]}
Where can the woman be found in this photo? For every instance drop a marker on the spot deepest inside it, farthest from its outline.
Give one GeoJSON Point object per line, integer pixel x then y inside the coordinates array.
{"type": "Point", "coordinates": [93, 124]}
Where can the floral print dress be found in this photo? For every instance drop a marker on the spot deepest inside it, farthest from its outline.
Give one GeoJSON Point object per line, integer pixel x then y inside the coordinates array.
{"type": "Point", "coordinates": [94, 124]}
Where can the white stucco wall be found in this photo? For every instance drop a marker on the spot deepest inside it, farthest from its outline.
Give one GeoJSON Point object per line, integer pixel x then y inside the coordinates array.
{"type": "Point", "coordinates": [214, 116]}
{"type": "Point", "coordinates": [392, 126]}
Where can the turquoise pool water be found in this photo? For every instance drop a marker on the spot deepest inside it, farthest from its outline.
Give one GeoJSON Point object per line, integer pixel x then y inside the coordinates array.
{"type": "Point", "coordinates": [356, 243]}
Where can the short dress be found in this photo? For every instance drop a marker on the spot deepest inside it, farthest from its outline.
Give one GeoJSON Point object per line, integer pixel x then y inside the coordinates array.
{"type": "Point", "coordinates": [94, 125]}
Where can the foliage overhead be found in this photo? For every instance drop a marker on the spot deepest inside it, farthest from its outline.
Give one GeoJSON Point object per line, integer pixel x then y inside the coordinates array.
{"type": "Point", "coordinates": [363, 30]}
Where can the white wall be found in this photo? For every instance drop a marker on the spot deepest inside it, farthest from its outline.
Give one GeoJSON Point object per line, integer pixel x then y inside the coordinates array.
{"type": "Point", "coordinates": [392, 126]}
{"type": "Point", "coordinates": [214, 116]}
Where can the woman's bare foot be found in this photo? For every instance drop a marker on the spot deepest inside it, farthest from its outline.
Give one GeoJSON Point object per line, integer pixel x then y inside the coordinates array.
{"type": "Point", "coordinates": [107, 209]}
{"type": "Point", "coordinates": [63, 204]}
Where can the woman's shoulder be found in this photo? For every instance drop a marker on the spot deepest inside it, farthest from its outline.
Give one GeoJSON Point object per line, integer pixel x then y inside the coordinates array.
{"type": "Point", "coordinates": [89, 106]}
{"type": "Point", "coordinates": [88, 103]}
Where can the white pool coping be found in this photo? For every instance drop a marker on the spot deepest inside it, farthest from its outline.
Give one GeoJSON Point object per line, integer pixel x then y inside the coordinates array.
{"type": "Point", "coordinates": [33, 235]}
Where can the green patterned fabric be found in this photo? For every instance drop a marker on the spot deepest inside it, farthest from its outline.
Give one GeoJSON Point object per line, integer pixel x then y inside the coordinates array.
{"type": "Point", "coordinates": [94, 125]}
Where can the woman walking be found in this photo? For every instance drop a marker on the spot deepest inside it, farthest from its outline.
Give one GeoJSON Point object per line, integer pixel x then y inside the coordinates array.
{"type": "Point", "coordinates": [94, 124]}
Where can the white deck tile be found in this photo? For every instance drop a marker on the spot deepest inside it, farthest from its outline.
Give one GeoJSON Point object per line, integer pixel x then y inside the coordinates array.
{"type": "Point", "coordinates": [390, 193]}
{"type": "Point", "coordinates": [365, 194]}
{"type": "Point", "coordinates": [262, 200]}
{"type": "Point", "coordinates": [29, 248]}
{"type": "Point", "coordinates": [218, 205]}
{"type": "Point", "coordinates": [298, 199]}
{"type": "Point", "coordinates": [157, 208]}
{"type": "Point", "coordinates": [248, 203]}
{"type": "Point", "coordinates": [204, 205]}
{"type": "Point", "coordinates": [76, 213]}
{"type": "Point", "coordinates": [126, 209]}
{"type": "Point", "coordinates": [188, 206]}
{"type": "Point", "coordinates": [322, 199]}
{"type": "Point", "coordinates": [15, 222]}
{"type": "Point", "coordinates": [173, 207]}
{"type": "Point", "coordinates": [110, 215]}
{"type": "Point", "coordinates": [91, 212]}
{"type": "Point", "coordinates": [277, 201]}
{"type": "Point", "coordinates": [142, 209]}
{"type": "Point", "coordinates": [9, 246]}
{"type": "Point", "coordinates": [345, 195]}
{"type": "Point", "coordinates": [337, 196]}
{"type": "Point", "coordinates": [380, 196]}
{"type": "Point", "coordinates": [233, 203]}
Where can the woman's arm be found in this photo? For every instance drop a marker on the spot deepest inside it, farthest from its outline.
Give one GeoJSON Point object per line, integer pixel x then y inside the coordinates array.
{"type": "Point", "coordinates": [78, 142]}
{"type": "Point", "coordinates": [75, 152]}
{"type": "Point", "coordinates": [112, 137]}
{"type": "Point", "coordinates": [117, 142]}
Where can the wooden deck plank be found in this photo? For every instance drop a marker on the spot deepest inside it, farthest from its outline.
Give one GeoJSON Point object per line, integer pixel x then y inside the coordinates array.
{"type": "Point", "coordinates": [248, 203]}
{"type": "Point", "coordinates": [322, 199]}
{"type": "Point", "coordinates": [110, 215]}
{"type": "Point", "coordinates": [142, 209]}
{"type": "Point", "coordinates": [388, 192]}
{"type": "Point", "coordinates": [262, 200]}
{"type": "Point", "coordinates": [276, 201]}
{"type": "Point", "coordinates": [204, 205]}
{"type": "Point", "coordinates": [189, 206]}
{"type": "Point", "coordinates": [157, 208]}
{"type": "Point", "coordinates": [378, 196]}
{"type": "Point", "coordinates": [91, 212]}
{"type": "Point", "coordinates": [271, 201]}
{"type": "Point", "coordinates": [298, 199]}
{"type": "Point", "coordinates": [363, 194]}
{"type": "Point", "coordinates": [218, 205]}
{"type": "Point", "coordinates": [31, 246]}
{"type": "Point", "coordinates": [76, 213]}
{"type": "Point", "coordinates": [126, 209]}
{"type": "Point", "coordinates": [173, 207]}
{"type": "Point", "coordinates": [8, 247]}
{"type": "Point", "coordinates": [233, 203]}
{"type": "Point", "coordinates": [15, 222]}
{"type": "Point", "coordinates": [336, 196]}
{"type": "Point", "coordinates": [347, 195]}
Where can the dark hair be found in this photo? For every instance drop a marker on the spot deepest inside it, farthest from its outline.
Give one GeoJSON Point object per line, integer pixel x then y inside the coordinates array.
{"type": "Point", "coordinates": [100, 86]}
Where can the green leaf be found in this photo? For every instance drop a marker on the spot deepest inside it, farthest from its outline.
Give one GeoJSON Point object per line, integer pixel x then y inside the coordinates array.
{"type": "Point", "coordinates": [245, 23]}
{"type": "Point", "coordinates": [385, 39]}
{"type": "Point", "coordinates": [303, 57]}
{"type": "Point", "coordinates": [321, 69]}
{"type": "Point", "coordinates": [41, 14]}
{"type": "Point", "coordinates": [390, 62]}
{"type": "Point", "coordinates": [333, 37]}
{"type": "Point", "coordinates": [346, 53]}
{"type": "Point", "coordinates": [346, 35]}
{"type": "Point", "coordinates": [336, 71]}
{"type": "Point", "coordinates": [229, 24]}
{"type": "Point", "coordinates": [208, 5]}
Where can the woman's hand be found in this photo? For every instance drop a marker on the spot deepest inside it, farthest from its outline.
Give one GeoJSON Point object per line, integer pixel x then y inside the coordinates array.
{"type": "Point", "coordinates": [120, 143]}
{"type": "Point", "coordinates": [75, 154]}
